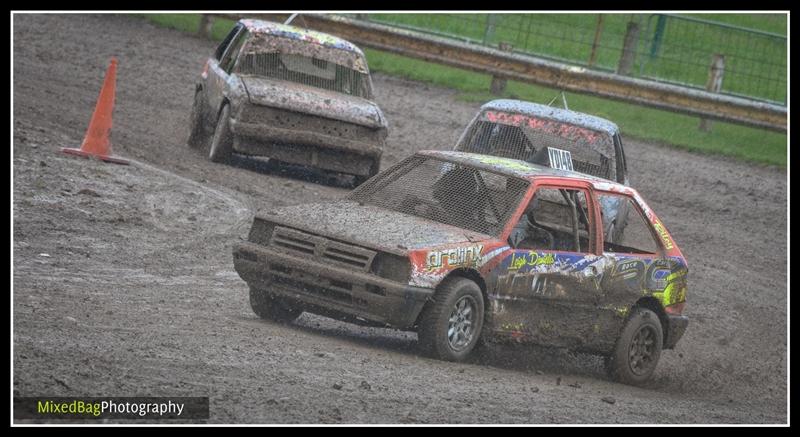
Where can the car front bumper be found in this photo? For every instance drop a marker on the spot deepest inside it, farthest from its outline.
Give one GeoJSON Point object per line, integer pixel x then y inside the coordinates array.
{"type": "Point", "coordinates": [300, 146]}
{"type": "Point", "coordinates": [318, 286]}
{"type": "Point", "coordinates": [676, 328]}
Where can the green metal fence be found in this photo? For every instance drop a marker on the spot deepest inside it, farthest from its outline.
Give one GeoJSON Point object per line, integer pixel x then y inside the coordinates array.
{"type": "Point", "coordinates": [670, 48]}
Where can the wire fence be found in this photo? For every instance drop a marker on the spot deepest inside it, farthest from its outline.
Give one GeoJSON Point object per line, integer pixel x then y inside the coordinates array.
{"type": "Point", "coordinates": [669, 48]}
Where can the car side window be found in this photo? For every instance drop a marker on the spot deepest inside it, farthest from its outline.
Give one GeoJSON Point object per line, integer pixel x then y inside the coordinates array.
{"type": "Point", "coordinates": [225, 42]}
{"type": "Point", "coordinates": [638, 237]}
{"type": "Point", "coordinates": [555, 219]}
{"type": "Point", "coordinates": [229, 58]}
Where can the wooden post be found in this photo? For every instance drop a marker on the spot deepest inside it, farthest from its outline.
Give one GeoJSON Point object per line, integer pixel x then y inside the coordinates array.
{"type": "Point", "coordinates": [629, 49]}
{"type": "Point", "coordinates": [499, 83]}
{"type": "Point", "coordinates": [206, 22]}
{"type": "Point", "coordinates": [714, 84]}
{"type": "Point", "coordinates": [597, 33]}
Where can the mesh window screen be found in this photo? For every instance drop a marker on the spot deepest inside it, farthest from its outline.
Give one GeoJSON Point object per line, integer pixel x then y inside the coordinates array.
{"type": "Point", "coordinates": [306, 70]}
{"type": "Point", "coordinates": [446, 192]}
{"type": "Point", "coordinates": [553, 209]}
{"type": "Point", "coordinates": [522, 142]}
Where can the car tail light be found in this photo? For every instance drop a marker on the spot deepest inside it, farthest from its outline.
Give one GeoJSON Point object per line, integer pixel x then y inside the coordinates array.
{"type": "Point", "coordinates": [675, 309]}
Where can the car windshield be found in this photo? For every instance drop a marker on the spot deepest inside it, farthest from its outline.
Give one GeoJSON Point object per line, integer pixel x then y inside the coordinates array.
{"type": "Point", "coordinates": [306, 63]}
{"type": "Point", "coordinates": [519, 136]}
{"type": "Point", "coordinates": [446, 192]}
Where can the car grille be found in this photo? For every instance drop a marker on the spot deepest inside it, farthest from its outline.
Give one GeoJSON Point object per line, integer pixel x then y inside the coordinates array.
{"type": "Point", "coordinates": [285, 119]}
{"type": "Point", "coordinates": [297, 281]}
{"type": "Point", "coordinates": [322, 249]}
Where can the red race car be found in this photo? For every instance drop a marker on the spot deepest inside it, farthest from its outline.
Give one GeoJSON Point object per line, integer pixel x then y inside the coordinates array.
{"type": "Point", "coordinates": [467, 248]}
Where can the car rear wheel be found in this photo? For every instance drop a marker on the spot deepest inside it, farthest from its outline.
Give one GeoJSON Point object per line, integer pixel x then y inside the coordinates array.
{"type": "Point", "coordinates": [271, 308]}
{"type": "Point", "coordinates": [222, 143]}
{"type": "Point", "coordinates": [450, 324]}
{"type": "Point", "coordinates": [197, 134]}
{"type": "Point", "coordinates": [637, 350]}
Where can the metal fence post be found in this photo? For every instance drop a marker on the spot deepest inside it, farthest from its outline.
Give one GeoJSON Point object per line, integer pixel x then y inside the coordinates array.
{"type": "Point", "coordinates": [206, 22]}
{"type": "Point", "coordinates": [628, 56]}
{"type": "Point", "coordinates": [499, 83]}
{"type": "Point", "coordinates": [715, 73]}
{"type": "Point", "coordinates": [597, 33]}
{"type": "Point", "coordinates": [661, 25]}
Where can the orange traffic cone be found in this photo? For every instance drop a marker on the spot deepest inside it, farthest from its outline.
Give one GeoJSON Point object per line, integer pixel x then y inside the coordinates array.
{"type": "Point", "coordinates": [96, 143]}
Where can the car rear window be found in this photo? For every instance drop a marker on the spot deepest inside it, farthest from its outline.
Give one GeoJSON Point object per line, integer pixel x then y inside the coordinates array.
{"type": "Point", "coordinates": [519, 136]}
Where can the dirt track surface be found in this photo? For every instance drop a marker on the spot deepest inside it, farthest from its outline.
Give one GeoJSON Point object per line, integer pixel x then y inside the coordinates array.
{"type": "Point", "coordinates": [137, 294]}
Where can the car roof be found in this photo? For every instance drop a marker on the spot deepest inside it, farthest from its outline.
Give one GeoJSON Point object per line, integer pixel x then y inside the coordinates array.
{"type": "Point", "coordinates": [544, 111]}
{"type": "Point", "coordinates": [518, 168]}
{"type": "Point", "coordinates": [287, 31]}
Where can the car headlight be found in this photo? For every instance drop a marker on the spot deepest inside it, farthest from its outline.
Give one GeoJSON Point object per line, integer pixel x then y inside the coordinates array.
{"type": "Point", "coordinates": [261, 232]}
{"type": "Point", "coordinates": [393, 267]}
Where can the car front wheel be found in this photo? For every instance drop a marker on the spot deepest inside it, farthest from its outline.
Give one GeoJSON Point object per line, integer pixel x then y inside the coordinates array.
{"type": "Point", "coordinates": [197, 133]}
{"type": "Point", "coordinates": [637, 350]}
{"type": "Point", "coordinates": [222, 143]}
{"type": "Point", "coordinates": [450, 324]}
{"type": "Point", "coordinates": [271, 308]}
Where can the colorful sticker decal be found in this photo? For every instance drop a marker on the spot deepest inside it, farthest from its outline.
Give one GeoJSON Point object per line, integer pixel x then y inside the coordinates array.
{"type": "Point", "coordinates": [276, 41]}
{"type": "Point", "coordinates": [553, 127]}
{"type": "Point", "coordinates": [549, 275]}
{"type": "Point", "coordinates": [658, 278]}
{"type": "Point", "coordinates": [675, 291]}
{"type": "Point", "coordinates": [530, 259]}
{"type": "Point", "coordinates": [431, 267]}
{"type": "Point", "coordinates": [512, 164]}
{"type": "Point", "coordinates": [292, 32]}
{"type": "Point", "coordinates": [629, 269]}
{"type": "Point", "coordinates": [455, 257]}
{"type": "Point", "coordinates": [662, 232]}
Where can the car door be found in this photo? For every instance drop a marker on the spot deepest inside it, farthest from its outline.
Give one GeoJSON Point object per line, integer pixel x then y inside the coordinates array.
{"type": "Point", "coordinates": [548, 287]}
{"type": "Point", "coordinates": [220, 66]}
{"type": "Point", "coordinates": [640, 265]}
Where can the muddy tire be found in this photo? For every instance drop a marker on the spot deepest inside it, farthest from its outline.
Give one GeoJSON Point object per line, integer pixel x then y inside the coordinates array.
{"type": "Point", "coordinates": [222, 143]}
{"type": "Point", "coordinates": [197, 133]}
{"type": "Point", "coordinates": [270, 308]}
{"type": "Point", "coordinates": [638, 349]}
{"type": "Point", "coordinates": [450, 324]}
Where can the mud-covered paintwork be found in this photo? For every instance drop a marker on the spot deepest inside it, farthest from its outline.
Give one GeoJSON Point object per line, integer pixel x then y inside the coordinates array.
{"type": "Point", "coordinates": [340, 52]}
{"type": "Point", "coordinates": [296, 33]}
{"type": "Point", "coordinates": [550, 297]}
{"type": "Point", "coordinates": [351, 221]}
{"type": "Point", "coordinates": [299, 127]}
{"type": "Point", "coordinates": [552, 113]}
{"type": "Point", "coordinates": [299, 98]}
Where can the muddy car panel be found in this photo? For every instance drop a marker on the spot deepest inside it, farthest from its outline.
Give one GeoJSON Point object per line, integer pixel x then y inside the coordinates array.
{"type": "Point", "coordinates": [578, 300]}
{"type": "Point", "coordinates": [296, 121]}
